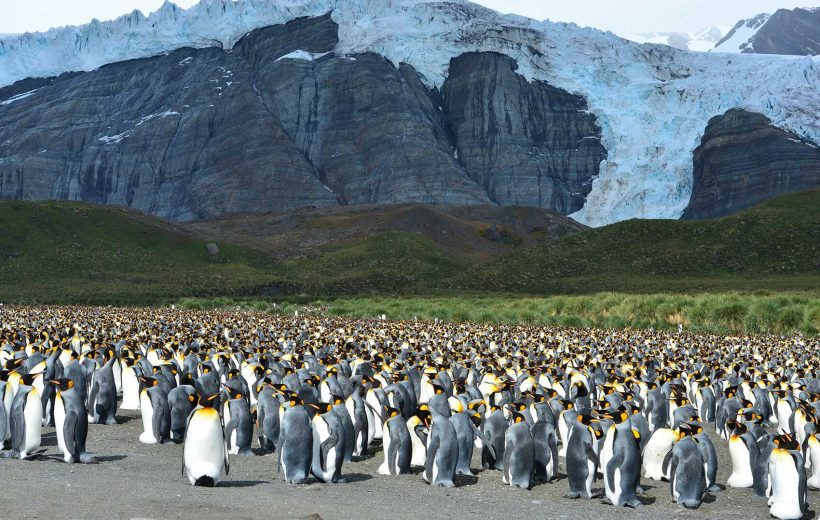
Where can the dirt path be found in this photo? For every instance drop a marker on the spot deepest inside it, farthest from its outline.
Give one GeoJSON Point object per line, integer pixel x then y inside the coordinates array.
{"type": "Point", "coordinates": [138, 481]}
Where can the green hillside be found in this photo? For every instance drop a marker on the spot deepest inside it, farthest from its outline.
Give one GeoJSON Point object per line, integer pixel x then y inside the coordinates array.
{"type": "Point", "coordinates": [61, 252]}
{"type": "Point", "coordinates": [775, 245]}
{"type": "Point", "coordinates": [65, 252]}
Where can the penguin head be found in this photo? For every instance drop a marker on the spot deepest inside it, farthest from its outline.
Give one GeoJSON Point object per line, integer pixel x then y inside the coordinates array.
{"type": "Point", "coordinates": [736, 428]}
{"type": "Point", "coordinates": [475, 417]}
{"type": "Point", "coordinates": [391, 412]}
{"type": "Point", "coordinates": [424, 415]}
{"type": "Point", "coordinates": [617, 416]}
{"type": "Point", "coordinates": [321, 407]}
{"type": "Point", "coordinates": [689, 429]}
{"type": "Point", "coordinates": [148, 382]}
{"type": "Point", "coordinates": [208, 401]}
{"type": "Point", "coordinates": [518, 406]}
{"type": "Point", "coordinates": [517, 417]}
{"type": "Point", "coordinates": [586, 419]}
{"type": "Point", "coordinates": [336, 399]}
{"type": "Point", "coordinates": [786, 443]}
{"type": "Point", "coordinates": [438, 388]}
{"type": "Point", "coordinates": [28, 379]}
{"type": "Point", "coordinates": [63, 384]}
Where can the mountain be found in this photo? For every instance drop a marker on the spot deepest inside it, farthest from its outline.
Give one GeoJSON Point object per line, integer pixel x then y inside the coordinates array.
{"type": "Point", "coordinates": [787, 31]}
{"type": "Point", "coordinates": [701, 41]}
{"type": "Point", "coordinates": [252, 106]}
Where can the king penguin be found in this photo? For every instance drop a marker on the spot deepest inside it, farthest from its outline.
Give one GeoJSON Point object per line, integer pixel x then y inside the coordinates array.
{"type": "Point", "coordinates": [295, 442]}
{"type": "Point", "coordinates": [156, 414]}
{"type": "Point", "coordinates": [787, 474]}
{"type": "Point", "coordinates": [582, 457]}
{"type": "Point", "coordinates": [397, 445]}
{"type": "Point", "coordinates": [519, 453]}
{"type": "Point", "coordinates": [442, 449]}
{"type": "Point", "coordinates": [621, 461]}
{"type": "Point", "coordinates": [687, 473]}
{"type": "Point", "coordinates": [25, 419]}
{"type": "Point", "coordinates": [71, 422]}
{"type": "Point", "coordinates": [204, 453]}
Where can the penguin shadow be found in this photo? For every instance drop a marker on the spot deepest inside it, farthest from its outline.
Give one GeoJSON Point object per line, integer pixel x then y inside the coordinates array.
{"type": "Point", "coordinates": [810, 515]}
{"type": "Point", "coordinates": [109, 458]}
{"type": "Point", "coordinates": [48, 439]}
{"type": "Point", "coordinates": [350, 478]}
{"type": "Point", "coordinates": [240, 483]}
{"type": "Point", "coordinates": [466, 480]}
{"type": "Point", "coordinates": [123, 419]}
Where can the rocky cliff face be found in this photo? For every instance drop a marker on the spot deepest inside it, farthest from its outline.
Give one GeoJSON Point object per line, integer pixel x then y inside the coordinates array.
{"type": "Point", "coordinates": [787, 31]}
{"type": "Point", "coordinates": [793, 32]}
{"type": "Point", "coordinates": [743, 160]}
{"type": "Point", "coordinates": [527, 144]}
{"type": "Point", "coordinates": [282, 122]}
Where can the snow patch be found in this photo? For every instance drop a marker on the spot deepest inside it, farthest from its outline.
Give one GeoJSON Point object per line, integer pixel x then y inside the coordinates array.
{"type": "Point", "coordinates": [18, 97]}
{"type": "Point", "coordinates": [116, 139]}
{"type": "Point", "coordinates": [741, 37]}
{"type": "Point", "coordinates": [302, 55]}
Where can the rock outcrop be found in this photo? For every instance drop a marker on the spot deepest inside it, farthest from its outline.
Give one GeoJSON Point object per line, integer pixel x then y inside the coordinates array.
{"type": "Point", "coordinates": [526, 143]}
{"type": "Point", "coordinates": [744, 160]}
{"type": "Point", "coordinates": [281, 122]}
{"type": "Point", "coordinates": [789, 31]}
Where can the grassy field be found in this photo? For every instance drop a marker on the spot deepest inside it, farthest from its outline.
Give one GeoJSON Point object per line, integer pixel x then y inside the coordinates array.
{"type": "Point", "coordinates": [756, 272]}
{"type": "Point", "coordinates": [783, 313]}
{"type": "Point", "coordinates": [63, 252]}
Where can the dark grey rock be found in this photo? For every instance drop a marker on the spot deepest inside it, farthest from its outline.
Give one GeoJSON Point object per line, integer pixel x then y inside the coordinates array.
{"type": "Point", "coordinates": [743, 160]}
{"type": "Point", "coordinates": [200, 133]}
{"type": "Point", "coordinates": [212, 248]}
{"type": "Point", "coordinates": [527, 144]}
{"type": "Point", "coordinates": [787, 31]}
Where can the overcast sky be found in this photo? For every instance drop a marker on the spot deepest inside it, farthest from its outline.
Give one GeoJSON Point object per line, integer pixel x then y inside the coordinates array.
{"type": "Point", "coordinates": [619, 16]}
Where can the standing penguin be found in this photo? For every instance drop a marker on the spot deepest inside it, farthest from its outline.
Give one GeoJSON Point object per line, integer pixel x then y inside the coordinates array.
{"type": "Point", "coordinates": [787, 474]}
{"type": "Point", "coordinates": [442, 449]}
{"type": "Point", "coordinates": [494, 428]}
{"type": "Point", "coordinates": [267, 417]}
{"type": "Point", "coordinates": [545, 444]}
{"type": "Point", "coordinates": [709, 454]}
{"type": "Point", "coordinates": [687, 475]}
{"type": "Point", "coordinates": [582, 457]}
{"type": "Point", "coordinates": [660, 444]}
{"type": "Point", "coordinates": [744, 452]}
{"type": "Point", "coordinates": [397, 445]}
{"type": "Point", "coordinates": [204, 454]}
{"type": "Point", "coordinates": [238, 423]}
{"type": "Point", "coordinates": [130, 385]}
{"type": "Point", "coordinates": [182, 401]}
{"type": "Point", "coordinates": [463, 424]}
{"type": "Point", "coordinates": [102, 398]}
{"type": "Point", "coordinates": [71, 422]}
{"type": "Point", "coordinates": [328, 443]}
{"type": "Point", "coordinates": [621, 461]}
{"type": "Point", "coordinates": [295, 442]}
{"type": "Point", "coordinates": [156, 414]}
{"type": "Point", "coordinates": [519, 453]}
{"type": "Point", "coordinates": [25, 420]}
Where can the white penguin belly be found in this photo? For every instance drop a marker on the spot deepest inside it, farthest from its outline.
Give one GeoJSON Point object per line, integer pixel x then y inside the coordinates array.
{"type": "Point", "coordinates": [59, 422]}
{"type": "Point", "coordinates": [320, 433]}
{"type": "Point", "coordinates": [385, 468]}
{"type": "Point", "coordinates": [147, 409]}
{"type": "Point", "coordinates": [785, 501]}
{"type": "Point", "coordinates": [204, 446]}
{"type": "Point", "coordinates": [33, 414]}
{"type": "Point", "coordinates": [741, 476]}
{"type": "Point", "coordinates": [814, 456]}
{"type": "Point", "coordinates": [658, 446]}
{"type": "Point", "coordinates": [419, 452]}
{"type": "Point", "coordinates": [784, 413]}
{"type": "Point", "coordinates": [563, 433]}
{"type": "Point", "coordinates": [130, 390]}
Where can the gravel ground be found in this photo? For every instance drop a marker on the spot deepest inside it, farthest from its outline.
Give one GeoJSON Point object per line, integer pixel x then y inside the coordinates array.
{"type": "Point", "coordinates": [134, 480]}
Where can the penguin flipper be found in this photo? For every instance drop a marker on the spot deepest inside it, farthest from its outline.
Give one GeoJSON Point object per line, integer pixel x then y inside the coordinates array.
{"type": "Point", "coordinates": [484, 440]}
{"type": "Point", "coordinates": [613, 464]}
{"type": "Point", "coordinates": [69, 434]}
{"type": "Point", "coordinates": [17, 418]}
{"type": "Point", "coordinates": [229, 428]}
{"type": "Point", "coordinates": [328, 444]}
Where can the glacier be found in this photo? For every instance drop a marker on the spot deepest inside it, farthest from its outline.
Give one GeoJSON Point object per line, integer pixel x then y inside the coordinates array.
{"type": "Point", "coordinates": [652, 102]}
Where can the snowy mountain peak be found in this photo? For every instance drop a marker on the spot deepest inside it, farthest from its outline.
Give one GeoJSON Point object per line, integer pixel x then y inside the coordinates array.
{"type": "Point", "coordinates": [741, 36]}
{"type": "Point", "coordinates": [700, 41]}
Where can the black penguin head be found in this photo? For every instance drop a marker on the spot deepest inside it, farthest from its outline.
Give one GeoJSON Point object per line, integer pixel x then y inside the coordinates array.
{"type": "Point", "coordinates": [63, 384]}
{"type": "Point", "coordinates": [28, 379]}
{"type": "Point", "coordinates": [475, 417]}
{"type": "Point", "coordinates": [391, 412]}
{"type": "Point", "coordinates": [438, 388]}
{"type": "Point", "coordinates": [424, 415]}
{"type": "Point", "coordinates": [786, 443]}
{"type": "Point", "coordinates": [336, 399]}
{"type": "Point", "coordinates": [689, 429]}
{"type": "Point", "coordinates": [148, 382]}
{"type": "Point", "coordinates": [586, 419]}
{"type": "Point", "coordinates": [517, 417]}
{"type": "Point", "coordinates": [208, 401]}
{"type": "Point", "coordinates": [320, 407]}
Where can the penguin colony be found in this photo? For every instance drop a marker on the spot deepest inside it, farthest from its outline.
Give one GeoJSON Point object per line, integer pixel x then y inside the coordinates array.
{"type": "Point", "coordinates": [319, 392]}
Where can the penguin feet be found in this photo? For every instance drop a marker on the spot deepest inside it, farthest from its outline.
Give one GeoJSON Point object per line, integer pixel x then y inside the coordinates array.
{"type": "Point", "coordinates": [246, 453]}
{"type": "Point", "coordinates": [448, 484]}
{"type": "Point", "coordinates": [634, 503]}
{"type": "Point", "coordinates": [85, 458]}
{"type": "Point", "coordinates": [715, 488]}
{"type": "Point", "coordinates": [10, 454]}
{"type": "Point", "coordinates": [111, 421]}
